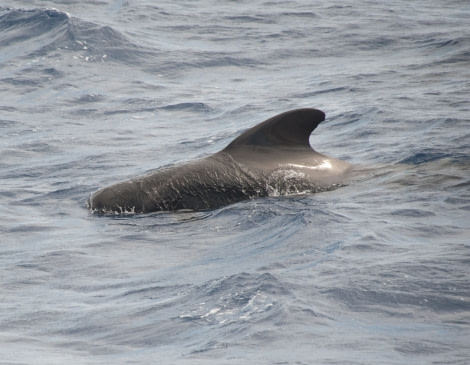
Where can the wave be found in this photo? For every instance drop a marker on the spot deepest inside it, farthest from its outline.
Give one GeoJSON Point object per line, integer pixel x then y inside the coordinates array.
{"type": "Point", "coordinates": [447, 49]}
{"type": "Point", "coordinates": [432, 155]}
{"type": "Point", "coordinates": [31, 32]}
{"type": "Point", "coordinates": [424, 156]}
{"type": "Point", "coordinates": [39, 32]}
{"type": "Point", "coordinates": [242, 297]}
{"type": "Point", "coordinates": [197, 107]}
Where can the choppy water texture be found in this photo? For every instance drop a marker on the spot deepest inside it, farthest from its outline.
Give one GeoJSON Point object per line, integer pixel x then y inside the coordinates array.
{"type": "Point", "coordinates": [374, 272]}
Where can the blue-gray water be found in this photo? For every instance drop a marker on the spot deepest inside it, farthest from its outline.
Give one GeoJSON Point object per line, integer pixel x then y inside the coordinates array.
{"type": "Point", "coordinates": [94, 92]}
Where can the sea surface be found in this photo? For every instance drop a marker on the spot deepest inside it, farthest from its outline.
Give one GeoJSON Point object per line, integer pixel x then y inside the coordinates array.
{"type": "Point", "coordinates": [374, 272]}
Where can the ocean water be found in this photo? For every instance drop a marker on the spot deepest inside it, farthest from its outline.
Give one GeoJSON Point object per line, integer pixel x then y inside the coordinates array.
{"type": "Point", "coordinates": [375, 272]}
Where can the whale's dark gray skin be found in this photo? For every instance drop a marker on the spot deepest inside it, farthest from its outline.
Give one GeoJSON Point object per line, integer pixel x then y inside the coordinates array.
{"type": "Point", "coordinates": [272, 158]}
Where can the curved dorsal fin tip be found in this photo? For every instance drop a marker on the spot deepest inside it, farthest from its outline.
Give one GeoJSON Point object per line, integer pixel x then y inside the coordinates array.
{"type": "Point", "coordinates": [289, 129]}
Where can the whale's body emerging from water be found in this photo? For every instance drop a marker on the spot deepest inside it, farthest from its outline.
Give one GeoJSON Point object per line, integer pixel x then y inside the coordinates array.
{"type": "Point", "coordinates": [272, 158]}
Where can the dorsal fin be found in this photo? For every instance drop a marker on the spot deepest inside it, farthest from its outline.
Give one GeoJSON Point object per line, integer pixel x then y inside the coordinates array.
{"type": "Point", "coordinates": [289, 129]}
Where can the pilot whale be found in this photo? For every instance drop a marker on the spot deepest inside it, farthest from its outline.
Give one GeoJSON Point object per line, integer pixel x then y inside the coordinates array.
{"type": "Point", "coordinates": [272, 158]}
